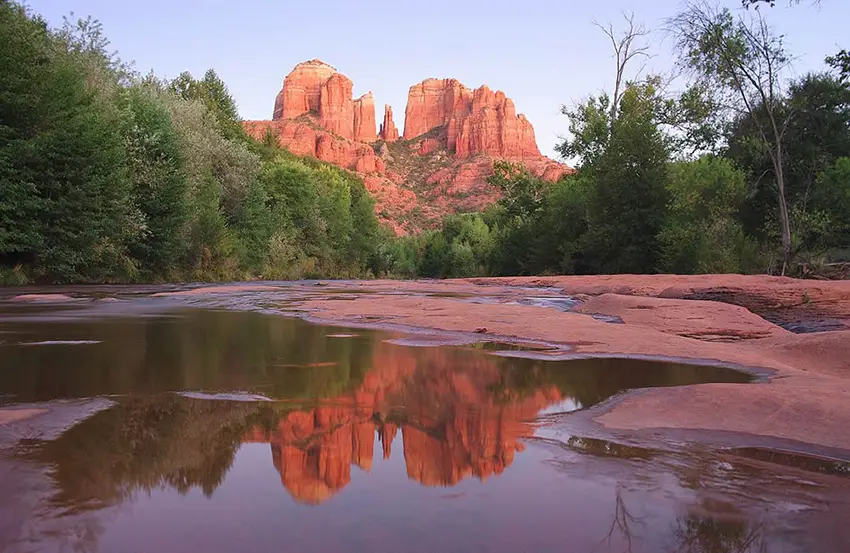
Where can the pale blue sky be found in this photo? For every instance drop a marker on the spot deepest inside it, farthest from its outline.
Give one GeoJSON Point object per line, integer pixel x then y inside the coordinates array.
{"type": "Point", "coordinates": [542, 53]}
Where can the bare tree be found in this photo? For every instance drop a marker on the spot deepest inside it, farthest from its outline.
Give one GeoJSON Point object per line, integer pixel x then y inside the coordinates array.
{"type": "Point", "coordinates": [771, 3]}
{"type": "Point", "coordinates": [628, 46]}
{"type": "Point", "coordinates": [742, 61]}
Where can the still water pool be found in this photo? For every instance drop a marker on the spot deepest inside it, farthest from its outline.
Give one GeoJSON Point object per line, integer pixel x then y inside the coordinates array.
{"type": "Point", "coordinates": [162, 427]}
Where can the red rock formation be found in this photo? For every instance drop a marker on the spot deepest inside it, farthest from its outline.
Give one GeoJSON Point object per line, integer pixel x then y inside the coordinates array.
{"type": "Point", "coordinates": [302, 89]}
{"type": "Point", "coordinates": [494, 128]}
{"type": "Point", "coordinates": [316, 88]}
{"type": "Point", "coordinates": [428, 146]}
{"type": "Point", "coordinates": [466, 130]}
{"type": "Point", "coordinates": [434, 103]}
{"type": "Point", "coordinates": [336, 108]}
{"type": "Point", "coordinates": [364, 118]}
{"type": "Point", "coordinates": [369, 164]}
{"type": "Point", "coordinates": [389, 132]}
{"type": "Point", "coordinates": [479, 121]}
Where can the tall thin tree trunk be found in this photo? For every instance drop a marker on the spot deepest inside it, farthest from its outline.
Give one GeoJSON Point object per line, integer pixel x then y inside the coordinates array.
{"type": "Point", "coordinates": [784, 218]}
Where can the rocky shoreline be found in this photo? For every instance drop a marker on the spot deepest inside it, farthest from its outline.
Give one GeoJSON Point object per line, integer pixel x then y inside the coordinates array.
{"type": "Point", "coordinates": [806, 400]}
{"type": "Point", "coordinates": [717, 319]}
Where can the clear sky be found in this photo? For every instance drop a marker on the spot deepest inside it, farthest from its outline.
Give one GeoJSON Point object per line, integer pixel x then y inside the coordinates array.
{"type": "Point", "coordinates": [542, 53]}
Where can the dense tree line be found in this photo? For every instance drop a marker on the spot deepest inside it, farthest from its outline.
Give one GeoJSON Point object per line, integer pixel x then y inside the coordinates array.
{"type": "Point", "coordinates": [108, 176]}
{"type": "Point", "coordinates": [745, 170]}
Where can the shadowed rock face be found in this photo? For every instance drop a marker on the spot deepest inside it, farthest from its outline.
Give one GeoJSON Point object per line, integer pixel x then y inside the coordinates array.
{"type": "Point", "coordinates": [442, 172]}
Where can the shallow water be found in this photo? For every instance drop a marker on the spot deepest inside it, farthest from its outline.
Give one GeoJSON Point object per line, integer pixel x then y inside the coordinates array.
{"type": "Point", "coordinates": [176, 427]}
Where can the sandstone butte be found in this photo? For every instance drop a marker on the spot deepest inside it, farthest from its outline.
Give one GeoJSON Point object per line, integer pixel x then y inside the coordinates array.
{"type": "Point", "coordinates": [452, 136]}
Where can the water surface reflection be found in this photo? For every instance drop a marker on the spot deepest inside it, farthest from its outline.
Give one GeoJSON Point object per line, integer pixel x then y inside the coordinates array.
{"type": "Point", "coordinates": [365, 445]}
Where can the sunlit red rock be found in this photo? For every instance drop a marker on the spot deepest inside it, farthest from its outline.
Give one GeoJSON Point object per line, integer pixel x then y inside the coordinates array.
{"type": "Point", "coordinates": [476, 121]}
{"type": "Point", "coordinates": [336, 108]}
{"type": "Point", "coordinates": [458, 131]}
{"type": "Point", "coordinates": [493, 127]}
{"type": "Point", "coordinates": [389, 132]}
{"type": "Point", "coordinates": [434, 103]}
{"type": "Point", "coordinates": [369, 164]}
{"type": "Point", "coordinates": [364, 118]}
{"type": "Point", "coordinates": [301, 90]}
{"type": "Point", "coordinates": [395, 201]}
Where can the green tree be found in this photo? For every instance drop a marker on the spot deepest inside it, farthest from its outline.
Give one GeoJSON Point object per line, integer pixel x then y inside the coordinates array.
{"type": "Point", "coordinates": [211, 244]}
{"type": "Point", "coordinates": [564, 223]}
{"type": "Point", "coordinates": [159, 186]}
{"type": "Point", "coordinates": [816, 136]}
{"type": "Point", "coordinates": [742, 61]}
{"type": "Point", "coordinates": [206, 151]}
{"type": "Point", "coordinates": [522, 194]}
{"type": "Point", "coordinates": [832, 198]}
{"type": "Point", "coordinates": [840, 63]}
{"type": "Point", "coordinates": [61, 159]}
{"type": "Point", "coordinates": [702, 232]}
{"type": "Point", "coordinates": [213, 93]}
{"type": "Point", "coordinates": [255, 227]}
{"type": "Point", "coordinates": [627, 205]}
{"type": "Point", "coordinates": [436, 255]}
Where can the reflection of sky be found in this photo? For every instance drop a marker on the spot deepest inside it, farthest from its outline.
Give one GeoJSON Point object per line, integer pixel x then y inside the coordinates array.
{"type": "Point", "coordinates": [565, 406]}
{"type": "Point", "coordinates": [549, 497]}
{"type": "Point", "coordinates": [529, 507]}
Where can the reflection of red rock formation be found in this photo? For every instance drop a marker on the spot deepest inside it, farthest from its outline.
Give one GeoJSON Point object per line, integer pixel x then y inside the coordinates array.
{"type": "Point", "coordinates": [452, 424]}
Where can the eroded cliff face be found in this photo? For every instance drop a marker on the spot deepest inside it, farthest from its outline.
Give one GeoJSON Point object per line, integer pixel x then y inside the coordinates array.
{"type": "Point", "coordinates": [475, 432]}
{"type": "Point", "coordinates": [452, 136]}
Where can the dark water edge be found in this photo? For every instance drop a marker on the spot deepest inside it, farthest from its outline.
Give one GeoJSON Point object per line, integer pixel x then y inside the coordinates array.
{"type": "Point", "coordinates": [185, 426]}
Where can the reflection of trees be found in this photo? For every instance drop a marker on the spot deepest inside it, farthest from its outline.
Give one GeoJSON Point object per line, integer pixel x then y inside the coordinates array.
{"type": "Point", "coordinates": [590, 381]}
{"type": "Point", "coordinates": [196, 350]}
{"type": "Point", "coordinates": [622, 524]}
{"type": "Point", "coordinates": [733, 533]}
{"type": "Point", "coordinates": [147, 443]}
